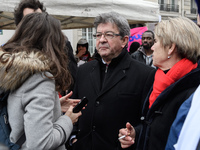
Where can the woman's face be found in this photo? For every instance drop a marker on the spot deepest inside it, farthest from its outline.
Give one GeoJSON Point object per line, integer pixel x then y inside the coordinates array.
{"type": "Point", "coordinates": [160, 54]}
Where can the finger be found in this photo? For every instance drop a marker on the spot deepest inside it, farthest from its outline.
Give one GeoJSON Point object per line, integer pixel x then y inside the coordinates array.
{"type": "Point", "coordinates": [126, 145]}
{"type": "Point", "coordinates": [76, 101]}
{"type": "Point", "coordinates": [70, 108]}
{"type": "Point", "coordinates": [79, 113]}
{"type": "Point", "coordinates": [69, 94]}
{"type": "Point", "coordinates": [66, 97]}
{"type": "Point", "coordinates": [74, 141]}
{"type": "Point", "coordinates": [127, 141]}
{"type": "Point", "coordinates": [122, 132]}
{"type": "Point", "coordinates": [129, 126]}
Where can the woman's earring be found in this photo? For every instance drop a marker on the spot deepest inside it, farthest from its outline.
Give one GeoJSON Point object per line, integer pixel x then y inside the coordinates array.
{"type": "Point", "coordinates": [169, 57]}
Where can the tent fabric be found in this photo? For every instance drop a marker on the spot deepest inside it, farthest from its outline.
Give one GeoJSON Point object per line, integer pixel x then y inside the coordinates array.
{"type": "Point", "coordinates": [80, 14]}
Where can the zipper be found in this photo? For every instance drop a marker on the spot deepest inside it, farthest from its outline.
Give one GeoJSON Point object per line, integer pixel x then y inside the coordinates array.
{"type": "Point", "coordinates": [106, 68]}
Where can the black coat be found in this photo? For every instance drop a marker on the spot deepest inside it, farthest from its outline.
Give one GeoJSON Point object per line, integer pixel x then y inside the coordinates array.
{"type": "Point", "coordinates": [72, 63]}
{"type": "Point", "coordinates": [120, 99]}
{"type": "Point", "coordinates": [158, 119]}
{"type": "Point", "coordinates": [138, 55]}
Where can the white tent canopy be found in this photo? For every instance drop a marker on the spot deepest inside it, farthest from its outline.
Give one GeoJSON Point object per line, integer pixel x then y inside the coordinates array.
{"type": "Point", "coordinates": [81, 13]}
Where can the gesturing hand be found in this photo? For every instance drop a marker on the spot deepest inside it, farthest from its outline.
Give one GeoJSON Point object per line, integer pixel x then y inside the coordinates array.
{"type": "Point", "coordinates": [66, 102]}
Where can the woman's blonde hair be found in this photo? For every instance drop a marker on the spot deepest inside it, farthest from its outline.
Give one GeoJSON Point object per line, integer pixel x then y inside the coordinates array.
{"type": "Point", "coordinates": [184, 33]}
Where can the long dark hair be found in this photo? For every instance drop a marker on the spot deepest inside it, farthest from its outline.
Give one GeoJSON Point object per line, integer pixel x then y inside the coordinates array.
{"type": "Point", "coordinates": [41, 32]}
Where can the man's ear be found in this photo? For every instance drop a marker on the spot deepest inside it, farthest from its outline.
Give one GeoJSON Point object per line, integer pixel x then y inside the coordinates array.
{"type": "Point", "coordinates": [125, 41]}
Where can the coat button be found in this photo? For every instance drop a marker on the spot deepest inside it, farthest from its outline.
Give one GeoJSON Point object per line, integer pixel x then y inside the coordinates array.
{"type": "Point", "coordinates": [142, 118]}
{"type": "Point", "coordinates": [97, 103]}
{"type": "Point", "coordinates": [93, 128]}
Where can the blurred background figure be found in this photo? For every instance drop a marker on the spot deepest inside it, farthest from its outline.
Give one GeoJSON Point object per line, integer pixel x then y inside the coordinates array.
{"type": "Point", "coordinates": [134, 46]}
{"type": "Point", "coordinates": [144, 53]}
{"type": "Point", "coordinates": [82, 53]}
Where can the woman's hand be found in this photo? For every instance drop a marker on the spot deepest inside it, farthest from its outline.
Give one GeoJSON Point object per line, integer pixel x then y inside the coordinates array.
{"type": "Point", "coordinates": [73, 116]}
{"type": "Point", "coordinates": [129, 138]}
{"type": "Point", "coordinates": [66, 102]}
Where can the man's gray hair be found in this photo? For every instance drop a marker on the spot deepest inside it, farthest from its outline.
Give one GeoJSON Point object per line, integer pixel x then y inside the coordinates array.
{"type": "Point", "coordinates": [114, 18]}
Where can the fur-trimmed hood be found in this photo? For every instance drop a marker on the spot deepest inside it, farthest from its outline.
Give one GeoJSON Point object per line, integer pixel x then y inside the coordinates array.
{"type": "Point", "coordinates": [23, 66]}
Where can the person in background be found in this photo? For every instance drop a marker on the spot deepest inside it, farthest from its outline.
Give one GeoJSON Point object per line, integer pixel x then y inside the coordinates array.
{"type": "Point", "coordinates": [114, 83]}
{"type": "Point", "coordinates": [82, 54]}
{"type": "Point", "coordinates": [30, 6]}
{"type": "Point", "coordinates": [175, 53]}
{"type": "Point", "coordinates": [33, 69]}
{"type": "Point", "coordinates": [144, 53]}
{"type": "Point", "coordinates": [134, 46]}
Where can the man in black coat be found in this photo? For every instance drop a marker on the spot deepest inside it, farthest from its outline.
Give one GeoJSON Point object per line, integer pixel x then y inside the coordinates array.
{"type": "Point", "coordinates": [114, 83]}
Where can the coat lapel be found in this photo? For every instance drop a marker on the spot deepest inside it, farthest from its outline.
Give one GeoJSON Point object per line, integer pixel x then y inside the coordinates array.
{"type": "Point", "coordinates": [112, 80]}
{"type": "Point", "coordinates": [95, 76]}
{"type": "Point", "coordinates": [116, 75]}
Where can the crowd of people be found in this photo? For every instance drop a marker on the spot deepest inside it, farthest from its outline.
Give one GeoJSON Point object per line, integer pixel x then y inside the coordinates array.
{"type": "Point", "coordinates": [145, 99]}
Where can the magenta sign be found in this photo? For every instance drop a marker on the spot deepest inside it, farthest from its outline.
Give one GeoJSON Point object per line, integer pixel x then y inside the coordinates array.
{"type": "Point", "coordinates": [136, 35]}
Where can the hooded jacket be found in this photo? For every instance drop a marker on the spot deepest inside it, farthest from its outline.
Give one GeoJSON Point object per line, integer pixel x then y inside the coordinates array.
{"type": "Point", "coordinates": [33, 103]}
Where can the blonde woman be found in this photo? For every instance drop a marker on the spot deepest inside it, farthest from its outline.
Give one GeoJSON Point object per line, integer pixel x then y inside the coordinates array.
{"type": "Point", "coordinates": [175, 53]}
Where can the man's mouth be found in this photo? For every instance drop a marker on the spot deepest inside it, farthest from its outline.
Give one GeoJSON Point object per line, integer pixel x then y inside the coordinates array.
{"type": "Point", "coordinates": [103, 47]}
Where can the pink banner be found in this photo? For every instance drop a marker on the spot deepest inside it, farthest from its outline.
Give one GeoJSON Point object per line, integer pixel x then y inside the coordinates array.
{"type": "Point", "coordinates": [136, 35]}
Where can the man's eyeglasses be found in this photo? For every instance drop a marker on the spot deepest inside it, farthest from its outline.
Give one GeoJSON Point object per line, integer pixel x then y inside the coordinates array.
{"type": "Point", "coordinates": [107, 35]}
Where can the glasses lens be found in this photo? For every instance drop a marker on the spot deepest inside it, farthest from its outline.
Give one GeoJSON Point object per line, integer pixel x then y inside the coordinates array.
{"type": "Point", "coordinates": [109, 35]}
{"type": "Point", "coordinates": [97, 35]}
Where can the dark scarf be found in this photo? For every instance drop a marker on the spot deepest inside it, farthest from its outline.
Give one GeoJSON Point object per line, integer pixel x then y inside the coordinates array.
{"type": "Point", "coordinates": [85, 57]}
{"type": "Point", "coordinates": [162, 80]}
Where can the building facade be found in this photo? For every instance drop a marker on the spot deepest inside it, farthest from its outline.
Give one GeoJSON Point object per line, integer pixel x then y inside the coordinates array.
{"type": "Point", "coordinates": [175, 8]}
{"type": "Point", "coordinates": [168, 8]}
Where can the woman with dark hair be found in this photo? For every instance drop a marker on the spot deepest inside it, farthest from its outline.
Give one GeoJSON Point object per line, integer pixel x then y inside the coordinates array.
{"type": "Point", "coordinates": [82, 53]}
{"type": "Point", "coordinates": [33, 67]}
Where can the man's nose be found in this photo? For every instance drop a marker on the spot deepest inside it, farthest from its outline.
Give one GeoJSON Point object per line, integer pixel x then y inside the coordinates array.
{"type": "Point", "coordinates": [103, 38]}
